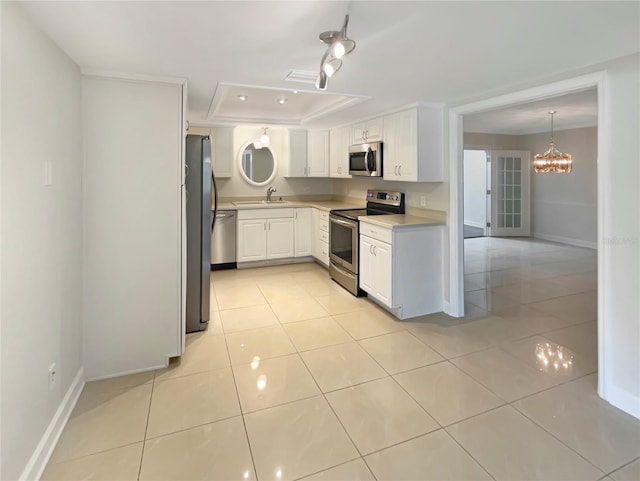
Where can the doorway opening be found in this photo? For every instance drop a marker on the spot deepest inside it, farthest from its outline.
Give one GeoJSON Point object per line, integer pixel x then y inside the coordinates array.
{"type": "Point", "coordinates": [476, 190]}
{"type": "Point", "coordinates": [458, 137]}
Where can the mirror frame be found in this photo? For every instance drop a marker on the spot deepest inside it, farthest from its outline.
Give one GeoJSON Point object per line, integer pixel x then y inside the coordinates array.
{"type": "Point", "coordinates": [243, 173]}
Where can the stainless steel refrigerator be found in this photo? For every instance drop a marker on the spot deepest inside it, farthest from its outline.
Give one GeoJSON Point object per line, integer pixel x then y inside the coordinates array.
{"type": "Point", "coordinates": [199, 183]}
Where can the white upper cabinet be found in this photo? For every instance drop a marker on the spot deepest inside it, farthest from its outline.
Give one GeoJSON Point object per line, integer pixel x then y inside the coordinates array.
{"type": "Point", "coordinates": [221, 148]}
{"type": "Point", "coordinates": [413, 145]}
{"type": "Point", "coordinates": [222, 151]}
{"type": "Point", "coordinates": [369, 131]}
{"type": "Point", "coordinates": [318, 156]}
{"type": "Point", "coordinates": [297, 153]}
{"type": "Point", "coordinates": [308, 153]}
{"type": "Point", "coordinates": [339, 143]}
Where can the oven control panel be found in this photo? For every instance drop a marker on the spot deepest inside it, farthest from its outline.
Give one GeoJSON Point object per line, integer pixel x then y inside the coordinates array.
{"type": "Point", "coordinates": [385, 197]}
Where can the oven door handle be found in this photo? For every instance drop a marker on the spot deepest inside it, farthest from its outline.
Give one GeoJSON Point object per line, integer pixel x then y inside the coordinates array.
{"type": "Point", "coordinates": [345, 223]}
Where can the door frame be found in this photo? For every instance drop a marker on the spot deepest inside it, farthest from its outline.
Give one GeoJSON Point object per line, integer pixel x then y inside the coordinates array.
{"type": "Point", "coordinates": [487, 186]}
{"type": "Point", "coordinates": [456, 187]}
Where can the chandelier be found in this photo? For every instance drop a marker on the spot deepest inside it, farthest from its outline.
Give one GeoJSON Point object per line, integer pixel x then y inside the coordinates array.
{"type": "Point", "coordinates": [552, 160]}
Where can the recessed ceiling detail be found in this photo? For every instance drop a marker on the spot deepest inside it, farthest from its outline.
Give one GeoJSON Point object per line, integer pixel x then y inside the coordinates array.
{"type": "Point", "coordinates": [233, 103]}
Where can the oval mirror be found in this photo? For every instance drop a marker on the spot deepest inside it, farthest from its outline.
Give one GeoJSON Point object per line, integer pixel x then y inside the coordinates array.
{"type": "Point", "coordinates": [257, 166]}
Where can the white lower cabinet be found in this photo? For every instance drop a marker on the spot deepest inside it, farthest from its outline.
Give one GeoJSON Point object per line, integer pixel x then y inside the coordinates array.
{"type": "Point", "coordinates": [265, 234]}
{"type": "Point", "coordinates": [279, 238]}
{"type": "Point", "coordinates": [252, 240]}
{"type": "Point", "coordinates": [402, 268]}
{"type": "Point", "coordinates": [320, 233]}
{"type": "Point", "coordinates": [375, 269]}
{"type": "Point", "coordinates": [303, 239]}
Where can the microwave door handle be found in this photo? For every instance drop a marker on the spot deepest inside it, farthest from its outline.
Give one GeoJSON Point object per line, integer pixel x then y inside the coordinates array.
{"type": "Point", "coordinates": [366, 160]}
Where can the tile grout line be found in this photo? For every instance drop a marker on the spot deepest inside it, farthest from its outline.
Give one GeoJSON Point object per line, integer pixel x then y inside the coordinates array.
{"type": "Point", "coordinates": [146, 427]}
{"type": "Point", "coordinates": [330, 406]}
{"type": "Point", "coordinates": [244, 423]}
{"type": "Point", "coordinates": [623, 466]}
{"type": "Point", "coordinates": [512, 404]}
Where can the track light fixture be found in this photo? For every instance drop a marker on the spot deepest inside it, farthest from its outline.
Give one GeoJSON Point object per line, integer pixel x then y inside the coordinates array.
{"type": "Point", "coordinates": [339, 46]}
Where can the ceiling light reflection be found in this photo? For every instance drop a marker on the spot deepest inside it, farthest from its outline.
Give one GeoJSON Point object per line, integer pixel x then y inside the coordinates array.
{"type": "Point", "coordinates": [255, 362]}
{"type": "Point", "coordinates": [262, 382]}
{"type": "Point", "coordinates": [553, 357]}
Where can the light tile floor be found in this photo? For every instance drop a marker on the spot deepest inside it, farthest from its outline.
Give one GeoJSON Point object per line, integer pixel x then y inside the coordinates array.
{"type": "Point", "coordinates": [295, 378]}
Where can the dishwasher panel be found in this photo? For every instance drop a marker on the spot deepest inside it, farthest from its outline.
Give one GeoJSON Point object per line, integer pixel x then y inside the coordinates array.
{"type": "Point", "coordinates": [223, 241]}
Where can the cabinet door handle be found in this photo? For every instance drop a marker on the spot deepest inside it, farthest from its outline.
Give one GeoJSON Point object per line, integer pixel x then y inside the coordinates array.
{"type": "Point", "coordinates": [400, 170]}
{"type": "Point", "coordinates": [374, 251]}
{"type": "Point", "coordinates": [371, 249]}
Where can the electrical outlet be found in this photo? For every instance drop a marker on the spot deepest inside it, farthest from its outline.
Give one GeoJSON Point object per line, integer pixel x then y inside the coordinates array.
{"type": "Point", "coordinates": [423, 201]}
{"type": "Point", "coordinates": [53, 376]}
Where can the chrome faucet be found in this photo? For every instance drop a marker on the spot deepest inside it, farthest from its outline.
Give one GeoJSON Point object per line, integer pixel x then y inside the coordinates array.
{"type": "Point", "coordinates": [270, 191]}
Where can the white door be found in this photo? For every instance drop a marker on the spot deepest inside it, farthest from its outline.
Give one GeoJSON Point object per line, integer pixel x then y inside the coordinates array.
{"type": "Point", "coordinates": [510, 196]}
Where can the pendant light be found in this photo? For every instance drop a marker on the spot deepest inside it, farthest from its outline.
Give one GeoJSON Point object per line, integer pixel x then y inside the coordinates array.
{"type": "Point", "coordinates": [265, 141]}
{"type": "Point", "coordinates": [552, 160]}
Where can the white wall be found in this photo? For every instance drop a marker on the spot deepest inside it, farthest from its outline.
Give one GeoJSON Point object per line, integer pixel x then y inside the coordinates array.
{"type": "Point", "coordinates": [564, 206]}
{"type": "Point", "coordinates": [41, 234]}
{"type": "Point", "coordinates": [473, 140]}
{"type": "Point", "coordinates": [619, 255]}
{"type": "Point", "coordinates": [435, 193]}
{"type": "Point", "coordinates": [475, 188]}
{"type": "Point", "coordinates": [236, 187]}
{"type": "Point", "coordinates": [132, 213]}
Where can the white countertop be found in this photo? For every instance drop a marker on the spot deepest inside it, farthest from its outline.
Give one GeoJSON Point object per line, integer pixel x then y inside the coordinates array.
{"type": "Point", "coordinates": [398, 221]}
{"type": "Point", "coordinates": [325, 205]}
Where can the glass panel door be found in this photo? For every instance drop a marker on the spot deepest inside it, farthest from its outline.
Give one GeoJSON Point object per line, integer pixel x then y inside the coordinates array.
{"type": "Point", "coordinates": [510, 193]}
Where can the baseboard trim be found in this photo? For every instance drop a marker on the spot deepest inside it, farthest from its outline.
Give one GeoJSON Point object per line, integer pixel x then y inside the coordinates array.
{"type": "Point", "coordinates": [126, 373]}
{"type": "Point", "coordinates": [40, 457]}
{"type": "Point", "coordinates": [479, 225]}
{"type": "Point", "coordinates": [624, 401]}
{"type": "Point", "coordinates": [565, 240]}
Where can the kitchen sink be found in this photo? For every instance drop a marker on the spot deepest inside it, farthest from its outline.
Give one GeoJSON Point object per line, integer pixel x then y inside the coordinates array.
{"type": "Point", "coordinates": [259, 202]}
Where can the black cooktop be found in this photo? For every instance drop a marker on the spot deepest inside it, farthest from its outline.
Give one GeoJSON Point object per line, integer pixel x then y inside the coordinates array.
{"type": "Point", "coordinates": [350, 213]}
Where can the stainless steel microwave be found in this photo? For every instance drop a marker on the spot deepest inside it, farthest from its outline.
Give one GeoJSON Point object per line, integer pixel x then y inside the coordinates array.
{"type": "Point", "coordinates": [366, 159]}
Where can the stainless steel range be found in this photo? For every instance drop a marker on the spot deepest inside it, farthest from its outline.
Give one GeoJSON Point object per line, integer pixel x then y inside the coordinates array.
{"type": "Point", "coordinates": [344, 231]}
